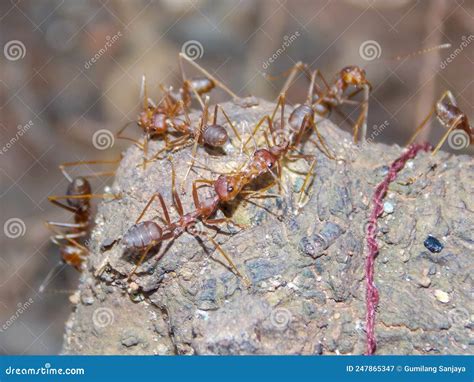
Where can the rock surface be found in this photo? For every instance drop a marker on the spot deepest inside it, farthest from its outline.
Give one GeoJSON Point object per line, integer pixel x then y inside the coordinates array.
{"type": "Point", "coordinates": [305, 262]}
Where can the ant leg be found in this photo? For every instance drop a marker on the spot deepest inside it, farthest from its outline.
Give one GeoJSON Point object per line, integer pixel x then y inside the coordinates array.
{"type": "Point", "coordinates": [445, 136]}
{"type": "Point", "coordinates": [221, 221]}
{"type": "Point", "coordinates": [306, 184]}
{"type": "Point", "coordinates": [120, 136]}
{"type": "Point", "coordinates": [54, 198]}
{"type": "Point", "coordinates": [144, 93]}
{"type": "Point", "coordinates": [366, 112]}
{"type": "Point", "coordinates": [163, 206]}
{"type": "Point", "coordinates": [445, 94]}
{"type": "Point", "coordinates": [281, 102]}
{"type": "Point", "coordinates": [421, 126]}
{"type": "Point", "coordinates": [450, 96]}
{"type": "Point", "coordinates": [299, 66]}
{"type": "Point", "coordinates": [208, 75]}
{"type": "Point", "coordinates": [362, 119]}
{"type": "Point", "coordinates": [176, 200]}
{"type": "Point", "coordinates": [170, 146]}
{"type": "Point", "coordinates": [234, 129]}
{"type": "Point", "coordinates": [326, 150]}
{"type": "Point", "coordinates": [257, 127]}
{"type": "Point", "coordinates": [140, 261]}
{"type": "Point", "coordinates": [52, 227]}
{"type": "Point", "coordinates": [63, 166]}
{"type": "Point", "coordinates": [228, 259]}
{"type": "Point", "coordinates": [68, 225]}
{"type": "Point", "coordinates": [323, 79]}
{"type": "Point", "coordinates": [259, 193]}
{"type": "Point", "coordinates": [197, 138]}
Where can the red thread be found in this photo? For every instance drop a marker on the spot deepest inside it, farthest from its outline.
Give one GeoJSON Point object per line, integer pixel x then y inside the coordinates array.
{"type": "Point", "coordinates": [372, 294]}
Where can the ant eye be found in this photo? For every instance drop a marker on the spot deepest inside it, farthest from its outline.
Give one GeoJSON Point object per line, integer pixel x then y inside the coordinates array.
{"type": "Point", "coordinates": [230, 188]}
{"type": "Point", "coordinates": [270, 164]}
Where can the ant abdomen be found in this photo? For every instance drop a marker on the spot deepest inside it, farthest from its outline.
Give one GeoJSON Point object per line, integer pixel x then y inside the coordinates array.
{"type": "Point", "coordinates": [79, 186]}
{"type": "Point", "coordinates": [215, 135]}
{"type": "Point", "coordinates": [202, 85]}
{"type": "Point", "coordinates": [299, 115]}
{"type": "Point", "coordinates": [142, 235]}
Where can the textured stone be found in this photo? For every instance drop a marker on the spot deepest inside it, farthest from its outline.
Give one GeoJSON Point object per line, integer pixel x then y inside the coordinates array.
{"type": "Point", "coordinates": [305, 263]}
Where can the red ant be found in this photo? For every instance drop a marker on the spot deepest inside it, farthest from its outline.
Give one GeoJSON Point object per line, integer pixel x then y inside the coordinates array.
{"type": "Point", "coordinates": [144, 235]}
{"type": "Point", "coordinates": [322, 101]}
{"type": "Point", "coordinates": [78, 196]}
{"type": "Point", "coordinates": [171, 112]}
{"type": "Point", "coordinates": [451, 117]}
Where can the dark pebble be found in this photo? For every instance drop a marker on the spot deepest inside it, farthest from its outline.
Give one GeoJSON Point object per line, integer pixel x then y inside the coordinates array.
{"type": "Point", "coordinates": [433, 245]}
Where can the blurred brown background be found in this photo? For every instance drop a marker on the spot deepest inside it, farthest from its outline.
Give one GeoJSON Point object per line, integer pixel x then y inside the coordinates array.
{"type": "Point", "coordinates": [53, 98]}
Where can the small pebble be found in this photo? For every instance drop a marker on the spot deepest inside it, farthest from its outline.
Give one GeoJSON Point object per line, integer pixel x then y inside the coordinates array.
{"type": "Point", "coordinates": [87, 300]}
{"type": "Point", "coordinates": [423, 281]}
{"type": "Point", "coordinates": [433, 244]}
{"type": "Point", "coordinates": [441, 296]}
{"type": "Point", "coordinates": [388, 208]}
{"type": "Point", "coordinates": [75, 298]}
{"type": "Point", "coordinates": [129, 341]}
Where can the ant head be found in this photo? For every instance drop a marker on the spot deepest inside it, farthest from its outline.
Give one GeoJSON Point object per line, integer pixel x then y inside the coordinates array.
{"type": "Point", "coordinates": [353, 75]}
{"type": "Point", "coordinates": [227, 187]}
{"type": "Point", "coordinates": [78, 186]}
{"type": "Point", "coordinates": [215, 135]}
{"type": "Point", "coordinates": [159, 123]}
{"type": "Point", "coordinates": [265, 159]}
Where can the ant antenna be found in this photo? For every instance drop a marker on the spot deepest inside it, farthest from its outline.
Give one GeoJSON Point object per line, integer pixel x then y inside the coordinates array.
{"type": "Point", "coordinates": [49, 276]}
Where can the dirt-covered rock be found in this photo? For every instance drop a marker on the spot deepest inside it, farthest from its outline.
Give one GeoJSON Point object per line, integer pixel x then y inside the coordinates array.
{"type": "Point", "coordinates": [304, 258]}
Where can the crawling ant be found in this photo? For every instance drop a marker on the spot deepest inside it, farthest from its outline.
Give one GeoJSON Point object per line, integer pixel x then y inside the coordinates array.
{"type": "Point", "coordinates": [451, 118]}
{"type": "Point", "coordinates": [144, 235]}
{"type": "Point", "coordinates": [68, 236]}
{"type": "Point", "coordinates": [171, 112]}
{"type": "Point", "coordinates": [211, 134]}
{"type": "Point", "coordinates": [322, 101]}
